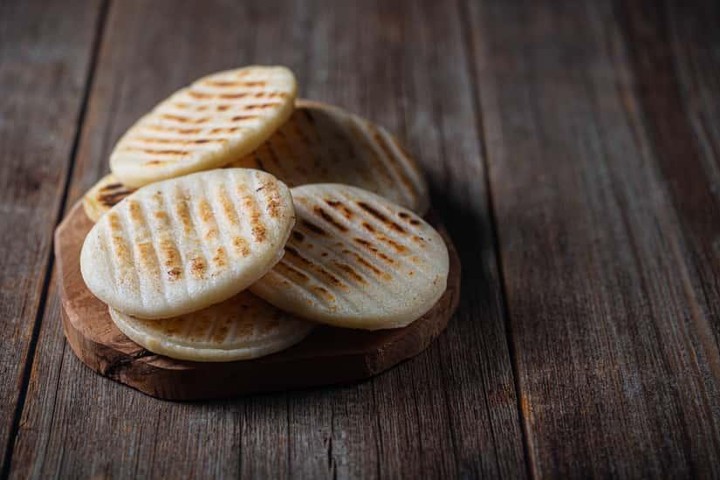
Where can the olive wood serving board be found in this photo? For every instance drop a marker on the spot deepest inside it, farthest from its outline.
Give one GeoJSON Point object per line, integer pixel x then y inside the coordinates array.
{"type": "Point", "coordinates": [328, 356]}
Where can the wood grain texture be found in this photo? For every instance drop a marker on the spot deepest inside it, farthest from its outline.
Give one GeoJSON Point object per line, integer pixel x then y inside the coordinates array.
{"type": "Point", "coordinates": [45, 52]}
{"type": "Point", "coordinates": [452, 411]}
{"type": "Point", "coordinates": [606, 217]}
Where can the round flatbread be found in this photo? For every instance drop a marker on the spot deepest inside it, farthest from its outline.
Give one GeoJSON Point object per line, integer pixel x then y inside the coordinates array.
{"type": "Point", "coordinates": [321, 143]}
{"type": "Point", "coordinates": [217, 119]}
{"type": "Point", "coordinates": [177, 246]}
{"type": "Point", "coordinates": [240, 328]}
{"type": "Point", "coordinates": [356, 260]}
{"type": "Point", "coordinates": [104, 195]}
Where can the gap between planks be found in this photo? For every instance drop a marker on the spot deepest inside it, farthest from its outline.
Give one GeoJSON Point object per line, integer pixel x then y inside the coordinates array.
{"type": "Point", "coordinates": [469, 52]}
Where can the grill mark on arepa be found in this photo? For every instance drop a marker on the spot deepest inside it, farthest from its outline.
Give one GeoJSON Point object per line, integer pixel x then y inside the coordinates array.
{"type": "Point", "coordinates": [392, 159]}
{"type": "Point", "coordinates": [254, 214]}
{"type": "Point", "coordinates": [141, 218]}
{"type": "Point", "coordinates": [312, 227]}
{"type": "Point", "coordinates": [386, 238]}
{"type": "Point", "coordinates": [294, 256]}
{"type": "Point", "coordinates": [140, 232]}
{"type": "Point", "coordinates": [125, 254]}
{"type": "Point", "coordinates": [239, 244]}
{"type": "Point", "coordinates": [178, 141]}
{"type": "Point", "coordinates": [271, 194]}
{"type": "Point", "coordinates": [319, 252]}
{"type": "Point", "coordinates": [341, 207]}
{"type": "Point", "coordinates": [212, 233]}
{"type": "Point", "coordinates": [240, 118]}
{"type": "Point", "coordinates": [171, 257]}
{"type": "Point", "coordinates": [315, 276]}
{"type": "Point", "coordinates": [320, 212]}
{"type": "Point", "coordinates": [156, 151]}
{"type": "Point", "coordinates": [110, 195]}
{"type": "Point", "coordinates": [338, 239]}
{"type": "Point", "coordinates": [408, 218]}
{"type": "Point", "coordinates": [374, 250]}
{"type": "Point", "coordinates": [388, 222]}
{"type": "Point", "coordinates": [182, 119]}
{"type": "Point", "coordinates": [173, 128]}
{"type": "Point", "coordinates": [196, 262]}
{"type": "Point", "coordinates": [288, 282]}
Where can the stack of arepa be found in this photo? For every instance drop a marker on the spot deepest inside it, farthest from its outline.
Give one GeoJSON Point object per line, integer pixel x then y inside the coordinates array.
{"type": "Point", "coordinates": [238, 217]}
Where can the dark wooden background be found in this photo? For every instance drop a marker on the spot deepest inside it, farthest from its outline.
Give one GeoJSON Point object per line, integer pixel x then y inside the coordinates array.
{"type": "Point", "coordinates": [574, 150]}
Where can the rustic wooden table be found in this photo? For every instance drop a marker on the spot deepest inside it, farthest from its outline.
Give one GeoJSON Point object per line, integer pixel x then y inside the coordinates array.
{"type": "Point", "coordinates": [573, 150]}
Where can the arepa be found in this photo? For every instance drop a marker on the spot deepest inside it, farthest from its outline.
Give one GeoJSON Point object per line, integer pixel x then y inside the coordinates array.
{"type": "Point", "coordinates": [322, 143]}
{"type": "Point", "coordinates": [217, 119]}
{"type": "Point", "coordinates": [356, 260]}
{"type": "Point", "coordinates": [104, 195]}
{"type": "Point", "coordinates": [180, 245]}
{"type": "Point", "coordinates": [240, 328]}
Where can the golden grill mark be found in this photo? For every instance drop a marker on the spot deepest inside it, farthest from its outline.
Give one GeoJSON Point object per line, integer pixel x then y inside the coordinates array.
{"type": "Point", "coordinates": [175, 141]}
{"type": "Point", "coordinates": [258, 229]}
{"type": "Point", "coordinates": [111, 194]}
{"type": "Point", "coordinates": [350, 271]}
{"type": "Point", "coordinates": [224, 130]}
{"type": "Point", "coordinates": [220, 257]}
{"type": "Point", "coordinates": [324, 293]}
{"type": "Point", "coordinates": [183, 212]}
{"type": "Point", "coordinates": [116, 231]}
{"type": "Point", "coordinates": [181, 119]}
{"type": "Point", "coordinates": [164, 128]}
{"type": "Point", "coordinates": [156, 151]}
{"type": "Point", "coordinates": [198, 267]}
{"type": "Point", "coordinates": [374, 250]}
{"type": "Point", "coordinates": [381, 217]}
{"type": "Point", "coordinates": [328, 276]}
{"type": "Point", "coordinates": [271, 194]}
{"type": "Point", "coordinates": [297, 236]}
{"type": "Point", "coordinates": [262, 106]}
{"type": "Point", "coordinates": [337, 205]}
{"type": "Point", "coordinates": [329, 219]}
{"type": "Point", "coordinates": [367, 264]}
{"type": "Point", "coordinates": [253, 84]}
{"type": "Point", "coordinates": [233, 95]}
{"type": "Point", "coordinates": [289, 271]}
{"type": "Point", "coordinates": [313, 228]}
{"type": "Point", "coordinates": [155, 163]}
{"type": "Point", "coordinates": [238, 118]}
{"type": "Point", "coordinates": [241, 246]}
{"type": "Point", "coordinates": [408, 218]}
{"type": "Point", "coordinates": [221, 83]}
{"type": "Point", "coordinates": [398, 248]}
{"type": "Point", "coordinates": [228, 208]}
{"type": "Point", "coordinates": [208, 218]}
{"type": "Point", "coordinates": [198, 95]}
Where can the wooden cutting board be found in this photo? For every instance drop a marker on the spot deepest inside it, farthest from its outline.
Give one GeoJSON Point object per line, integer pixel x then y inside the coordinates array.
{"type": "Point", "coordinates": [328, 356]}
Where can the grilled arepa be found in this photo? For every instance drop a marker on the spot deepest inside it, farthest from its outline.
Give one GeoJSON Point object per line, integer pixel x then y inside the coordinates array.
{"type": "Point", "coordinates": [104, 195]}
{"type": "Point", "coordinates": [177, 246]}
{"type": "Point", "coordinates": [217, 119]}
{"type": "Point", "coordinates": [326, 144]}
{"type": "Point", "coordinates": [240, 328]}
{"type": "Point", "coordinates": [356, 260]}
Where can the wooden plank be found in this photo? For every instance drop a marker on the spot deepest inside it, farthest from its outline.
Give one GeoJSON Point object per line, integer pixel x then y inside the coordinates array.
{"type": "Point", "coordinates": [593, 179]}
{"type": "Point", "coordinates": [45, 52]}
{"type": "Point", "coordinates": [452, 411]}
